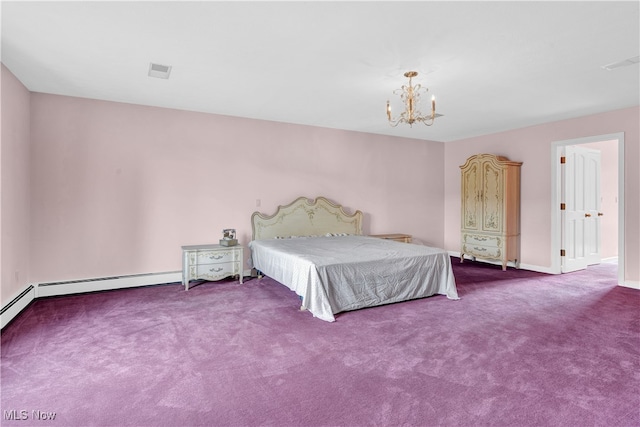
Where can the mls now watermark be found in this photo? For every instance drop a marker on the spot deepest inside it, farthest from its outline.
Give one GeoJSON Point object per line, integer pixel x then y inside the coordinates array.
{"type": "Point", "coordinates": [23, 415]}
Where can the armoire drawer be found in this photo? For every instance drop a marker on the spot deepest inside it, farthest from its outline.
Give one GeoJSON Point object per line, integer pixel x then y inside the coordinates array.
{"type": "Point", "coordinates": [482, 240]}
{"type": "Point", "coordinates": [482, 251]}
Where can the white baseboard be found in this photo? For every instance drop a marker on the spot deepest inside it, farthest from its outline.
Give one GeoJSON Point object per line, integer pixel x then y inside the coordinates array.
{"type": "Point", "coordinates": [548, 270]}
{"type": "Point", "coordinates": [521, 266]}
{"type": "Point", "coordinates": [454, 253]}
{"type": "Point", "coordinates": [16, 305]}
{"type": "Point", "coordinates": [630, 284]}
{"type": "Point", "coordinates": [537, 268]}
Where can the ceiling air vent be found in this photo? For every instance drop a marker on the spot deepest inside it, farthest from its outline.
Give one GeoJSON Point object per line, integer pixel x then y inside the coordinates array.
{"type": "Point", "coordinates": [159, 71]}
{"type": "Point", "coordinates": [622, 63]}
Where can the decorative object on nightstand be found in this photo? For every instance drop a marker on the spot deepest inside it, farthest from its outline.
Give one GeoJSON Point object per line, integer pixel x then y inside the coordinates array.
{"type": "Point", "coordinates": [228, 237]}
{"type": "Point", "coordinates": [211, 262]}
{"type": "Point", "coordinates": [398, 237]}
{"type": "Point", "coordinates": [491, 209]}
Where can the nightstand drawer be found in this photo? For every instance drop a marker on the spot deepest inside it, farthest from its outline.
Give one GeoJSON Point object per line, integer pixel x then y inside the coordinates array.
{"type": "Point", "coordinates": [212, 257]}
{"type": "Point", "coordinates": [214, 271]}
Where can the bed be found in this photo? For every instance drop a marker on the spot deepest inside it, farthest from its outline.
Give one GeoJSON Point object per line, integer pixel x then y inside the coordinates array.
{"type": "Point", "coordinates": [318, 251]}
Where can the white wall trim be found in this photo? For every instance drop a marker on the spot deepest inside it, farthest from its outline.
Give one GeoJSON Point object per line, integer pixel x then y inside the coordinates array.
{"type": "Point", "coordinates": [530, 267]}
{"type": "Point", "coordinates": [537, 268]}
{"type": "Point", "coordinates": [16, 305]}
{"type": "Point", "coordinates": [454, 254]}
{"type": "Point", "coordinates": [630, 284]}
{"type": "Point", "coordinates": [555, 198]}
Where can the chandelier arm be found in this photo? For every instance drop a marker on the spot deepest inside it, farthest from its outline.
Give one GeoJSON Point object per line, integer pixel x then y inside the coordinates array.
{"type": "Point", "coordinates": [393, 125]}
{"type": "Point", "coordinates": [427, 121]}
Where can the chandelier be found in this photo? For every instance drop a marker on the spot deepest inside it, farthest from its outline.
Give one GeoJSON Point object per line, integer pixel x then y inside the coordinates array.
{"type": "Point", "coordinates": [410, 96]}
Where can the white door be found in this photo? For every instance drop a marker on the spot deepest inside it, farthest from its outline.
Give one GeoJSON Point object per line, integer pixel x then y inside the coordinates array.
{"type": "Point", "coordinates": [581, 203]}
{"type": "Point", "coordinates": [593, 203]}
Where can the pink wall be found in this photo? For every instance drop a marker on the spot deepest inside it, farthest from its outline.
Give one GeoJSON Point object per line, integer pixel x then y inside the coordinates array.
{"type": "Point", "coordinates": [14, 186]}
{"type": "Point", "coordinates": [118, 188]}
{"type": "Point", "coordinates": [532, 146]}
{"type": "Point", "coordinates": [94, 189]}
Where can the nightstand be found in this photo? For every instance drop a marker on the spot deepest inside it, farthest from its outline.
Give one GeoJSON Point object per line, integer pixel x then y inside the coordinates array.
{"type": "Point", "coordinates": [211, 262]}
{"type": "Point", "coordinates": [398, 237]}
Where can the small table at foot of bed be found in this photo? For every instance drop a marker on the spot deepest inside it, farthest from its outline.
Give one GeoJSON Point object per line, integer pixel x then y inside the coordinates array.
{"type": "Point", "coordinates": [398, 237]}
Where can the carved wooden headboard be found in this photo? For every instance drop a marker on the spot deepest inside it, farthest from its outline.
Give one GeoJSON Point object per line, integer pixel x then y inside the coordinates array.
{"type": "Point", "coordinates": [305, 217]}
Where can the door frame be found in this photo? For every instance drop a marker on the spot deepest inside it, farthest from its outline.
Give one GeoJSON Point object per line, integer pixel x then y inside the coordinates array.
{"type": "Point", "coordinates": [556, 230]}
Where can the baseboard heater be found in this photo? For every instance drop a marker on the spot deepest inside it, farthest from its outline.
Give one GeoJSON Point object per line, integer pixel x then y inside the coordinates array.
{"type": "Point", "coordinates": [31, 292]}
{"type": "Point", "coordinates": [50, 289]}
{"type": "Point", "coordinates": [106, 283]}
{"type": "Point", "coordinates": [16, 305]}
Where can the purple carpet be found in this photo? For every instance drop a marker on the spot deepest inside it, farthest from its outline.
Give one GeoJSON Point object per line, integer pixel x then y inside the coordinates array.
{"type": "Point", "coordinates": [518, 349]}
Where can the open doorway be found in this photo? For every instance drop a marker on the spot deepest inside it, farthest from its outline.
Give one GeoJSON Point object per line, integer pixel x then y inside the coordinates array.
{"type": "Point", "coordinates": [612, 148]}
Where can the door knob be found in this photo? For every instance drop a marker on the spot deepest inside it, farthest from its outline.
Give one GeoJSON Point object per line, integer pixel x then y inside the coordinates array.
{"type": "Point", "coordinates": [587, 215]}
{"type": "Point", "coordinates": [600, 214]}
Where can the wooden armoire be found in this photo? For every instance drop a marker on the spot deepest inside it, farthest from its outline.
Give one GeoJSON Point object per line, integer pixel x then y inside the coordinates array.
{"type": "Point", "coordinates": [491, 209]}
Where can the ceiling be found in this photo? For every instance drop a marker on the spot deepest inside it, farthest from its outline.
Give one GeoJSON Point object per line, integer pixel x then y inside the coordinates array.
{"type": "Point", "coordinates": [492, 66]}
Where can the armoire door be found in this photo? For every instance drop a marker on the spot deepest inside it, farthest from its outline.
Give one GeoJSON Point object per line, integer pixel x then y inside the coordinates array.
{"type": "Point", "coordinates": [471, 197]}
{"type": "Point", "coordinates": [492, 197]}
